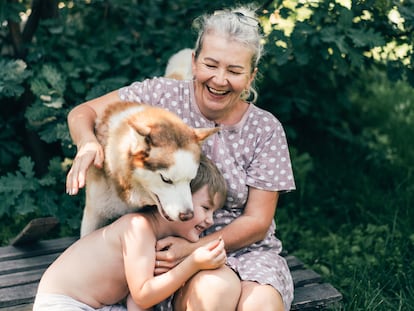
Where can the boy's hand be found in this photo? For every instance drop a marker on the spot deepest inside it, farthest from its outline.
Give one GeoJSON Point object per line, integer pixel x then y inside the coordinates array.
{"type": "Point", "coordinates": [210, 256]}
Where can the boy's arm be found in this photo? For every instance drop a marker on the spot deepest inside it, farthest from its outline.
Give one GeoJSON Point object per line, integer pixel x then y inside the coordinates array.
{"type": "Point", "coordinates": [147, 290]}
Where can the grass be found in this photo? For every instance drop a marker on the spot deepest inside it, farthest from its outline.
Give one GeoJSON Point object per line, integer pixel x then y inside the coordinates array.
{"type": "Point", "coordinates": [351, 218]}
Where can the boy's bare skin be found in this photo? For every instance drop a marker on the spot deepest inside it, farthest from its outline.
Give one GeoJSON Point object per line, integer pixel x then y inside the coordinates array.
{"type": "Point", "coordinates": [105, 266]}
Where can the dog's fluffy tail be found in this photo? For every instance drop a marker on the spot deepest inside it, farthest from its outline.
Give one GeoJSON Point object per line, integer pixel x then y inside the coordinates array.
{"type": "Point", "coordinates": [179, 65]}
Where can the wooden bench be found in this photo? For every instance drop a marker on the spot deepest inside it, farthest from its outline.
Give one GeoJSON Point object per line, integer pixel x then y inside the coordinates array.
{"type": "Point", "coordinates": [23, 262]}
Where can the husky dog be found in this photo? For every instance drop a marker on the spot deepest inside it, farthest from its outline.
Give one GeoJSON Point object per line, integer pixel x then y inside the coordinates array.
{"type": "Point", "coordinates": [179, 65]}
{"type": "Point", "coordinates": [151, 156]}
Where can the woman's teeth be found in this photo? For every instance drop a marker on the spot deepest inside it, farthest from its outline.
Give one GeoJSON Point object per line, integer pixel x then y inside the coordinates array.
{"type": "Point", "coordinates": [216, 92]}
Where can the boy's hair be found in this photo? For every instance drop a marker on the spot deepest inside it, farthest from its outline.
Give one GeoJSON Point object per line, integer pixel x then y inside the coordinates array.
{"type": "Point", "coordinates": [208, 174]}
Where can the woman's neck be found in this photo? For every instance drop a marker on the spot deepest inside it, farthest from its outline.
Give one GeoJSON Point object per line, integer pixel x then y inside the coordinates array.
{"type": "Point", "coordinates": [226, 117]}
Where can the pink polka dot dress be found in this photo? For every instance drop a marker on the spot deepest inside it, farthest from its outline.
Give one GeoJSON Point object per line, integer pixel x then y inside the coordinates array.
{"type": "Point", "coordinates": [252, 153]}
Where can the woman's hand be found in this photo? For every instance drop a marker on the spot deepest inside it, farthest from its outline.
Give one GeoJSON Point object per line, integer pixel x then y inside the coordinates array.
{"type": "Point", "coordinates": [88, 153]}
{"type": "Point", "coordinates": [170, 252]}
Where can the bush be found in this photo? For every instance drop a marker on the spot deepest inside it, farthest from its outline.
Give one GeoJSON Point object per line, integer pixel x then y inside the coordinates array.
{"type": "Point", "coordinates": [352, 220]}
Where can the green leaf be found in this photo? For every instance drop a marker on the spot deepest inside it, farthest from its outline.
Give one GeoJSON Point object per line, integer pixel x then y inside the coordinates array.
{"type": "Point", "coordinates": [47, 181]}
{"type": "Point", "coordinates": [357, 59]}
{"type": "Point", "coordinates": [49, 85]}
{"type": "Point", "coordinates": [26, 204]}
{"type": "Point", "coordinates": [38, 115]}
{"type": "Point", "coordinates": [365, 38]}
{"type": "Point", "coordinates": [48, 133]}
{"type": "Point", "coordinates": [26, 167]}
{"type": "Point", "coordinates": [12, 76]}
{"type": "Point", "coordinates": [329, 34]}
{"type": "Point", "coordinates": [342, 45]}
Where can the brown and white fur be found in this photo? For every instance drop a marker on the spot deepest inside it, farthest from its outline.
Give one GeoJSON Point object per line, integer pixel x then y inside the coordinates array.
{"type": "Point", "coordinates": [151, 155]}
{"type": "Point", "coordinates": [179, 65]}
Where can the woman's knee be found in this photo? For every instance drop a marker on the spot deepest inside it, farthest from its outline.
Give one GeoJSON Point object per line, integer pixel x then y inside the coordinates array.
{"type": "Point", "coordinates": [259, 297]}
{"type": "Point", "coordinates": [210, 290]}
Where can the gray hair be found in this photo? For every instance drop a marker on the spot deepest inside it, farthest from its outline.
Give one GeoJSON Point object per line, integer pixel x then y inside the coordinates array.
{"type": "Point", "coordinates": [238, 24]}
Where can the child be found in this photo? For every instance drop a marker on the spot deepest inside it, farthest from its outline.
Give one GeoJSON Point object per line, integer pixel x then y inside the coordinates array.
{"type": "Point", "coordinates": [102, 268]}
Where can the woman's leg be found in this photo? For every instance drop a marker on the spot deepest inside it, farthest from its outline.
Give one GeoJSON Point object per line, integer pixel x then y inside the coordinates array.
{"type": "Point", "coordinates": [259, 297]}
{"type": "Point", "coordinates": [210, 290]}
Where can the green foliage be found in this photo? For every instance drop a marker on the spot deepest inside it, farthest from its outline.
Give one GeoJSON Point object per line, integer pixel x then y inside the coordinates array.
{"type": "Point", "coordinates": [45, 114]}
{"type": "Point", "coordinates": [11, 10]}
{"type": "Point", "coordinates": [322, 48]}
{"type": "Point", "coordinates": [27, 196]}
{"type": "Point", "coordinates": [353, 219]}
{"type": "Point", "coordinates": [394, 111]}
{"type": "Point", "coordinates": [12, 76]}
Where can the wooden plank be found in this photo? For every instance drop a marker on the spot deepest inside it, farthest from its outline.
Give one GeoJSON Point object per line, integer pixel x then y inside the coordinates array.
{"type": "Point", "coordinates": [12, 296]}
{"type": "Point", "coordinates": [25, 264]}
{"type": "Point", "coordinates": [293, 262]}
{"type": "Point", "coordinates": [35, 230]}
{"type": "Point", "coordinates": [21, 278]}
{"type": "Point", "coordinates": [304, 277]}
{"type": "Point", "coordinates": [315, 296]}
{"type": "Point", "coordinates": [25, 307]}
{"type": "Point", "coordinates": [35, 249]}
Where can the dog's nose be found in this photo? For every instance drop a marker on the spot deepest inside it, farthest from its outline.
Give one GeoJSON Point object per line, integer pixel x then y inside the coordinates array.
{"type": "Point", "coordinates": [186, 216]}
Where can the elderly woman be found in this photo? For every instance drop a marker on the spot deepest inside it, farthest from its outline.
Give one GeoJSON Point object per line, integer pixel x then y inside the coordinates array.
{"type": "Point", "coordinates": [250, 150]}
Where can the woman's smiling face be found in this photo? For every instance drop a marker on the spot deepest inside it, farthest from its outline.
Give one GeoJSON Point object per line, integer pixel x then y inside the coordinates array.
{"type": "Point", "coordinates": [222, 71]}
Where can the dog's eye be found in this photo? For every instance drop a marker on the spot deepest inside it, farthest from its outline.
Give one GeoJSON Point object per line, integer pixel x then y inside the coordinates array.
{"type": "Point", "coordinates": [166, 180]}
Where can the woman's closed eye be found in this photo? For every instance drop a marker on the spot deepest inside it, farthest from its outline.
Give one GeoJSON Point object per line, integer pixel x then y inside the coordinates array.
{"type": "Point", "coordinates": [236, 72]}
{"type": "Point", "coordinates": [210, 66]}
{"type": "Point", "coordinates": [232, 72]}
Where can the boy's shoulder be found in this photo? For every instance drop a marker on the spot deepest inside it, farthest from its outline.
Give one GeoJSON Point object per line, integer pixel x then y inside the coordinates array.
{"type": "Point", "coordinates": [133, 217]}
{"type": "Point", "coordinates": [135, 221]}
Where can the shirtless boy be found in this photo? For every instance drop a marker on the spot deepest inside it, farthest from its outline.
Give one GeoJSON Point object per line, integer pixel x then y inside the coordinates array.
{"type": "Point", "coordinates": [103, 268]}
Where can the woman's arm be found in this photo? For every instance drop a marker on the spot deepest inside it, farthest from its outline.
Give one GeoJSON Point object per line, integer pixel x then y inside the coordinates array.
{"type": "Point", "coordinates": [81, 122]}
{"type": "Point", "coordinates": [248, 228]}
{"type": "Point", "coordinates": [253, 224]}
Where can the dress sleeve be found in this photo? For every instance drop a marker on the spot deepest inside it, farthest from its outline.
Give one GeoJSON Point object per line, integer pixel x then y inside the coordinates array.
{"type": "Point", "coordinates": [271, 168]}
{"type": "Point", "coordinates": [149, 91]}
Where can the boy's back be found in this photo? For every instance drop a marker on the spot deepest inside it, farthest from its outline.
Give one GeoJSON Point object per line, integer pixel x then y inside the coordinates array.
{"type": "Point", "coordinates": [93, 271]}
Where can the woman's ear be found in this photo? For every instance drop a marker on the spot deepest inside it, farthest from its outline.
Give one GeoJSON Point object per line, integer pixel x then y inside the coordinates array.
{"type": "Point", "coordinates": [193, 64]}
{"type": "Point", "coordinates": [252, 77]}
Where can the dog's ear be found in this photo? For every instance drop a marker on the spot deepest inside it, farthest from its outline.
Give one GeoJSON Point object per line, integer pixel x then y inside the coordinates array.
{"type": "Point", "coordinates": [142, 129]}
{"type": "Point", "coordinates": [138, 135]}
{"type": "Point", "coordinates": [203, 133]}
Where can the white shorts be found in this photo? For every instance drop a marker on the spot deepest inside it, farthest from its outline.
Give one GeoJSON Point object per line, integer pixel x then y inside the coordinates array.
{"type": "Point", "coordinates": [53, 302]}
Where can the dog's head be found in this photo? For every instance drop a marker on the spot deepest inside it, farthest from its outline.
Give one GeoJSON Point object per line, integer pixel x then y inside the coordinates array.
{"type": "Point", "coordinates": [168, 186]}
{"type": "Point", "coordinates": [162, 158]}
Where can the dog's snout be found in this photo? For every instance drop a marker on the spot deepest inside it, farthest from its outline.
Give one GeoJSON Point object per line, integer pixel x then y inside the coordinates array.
{"type": "Point", "coordinates": [186, 216]}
